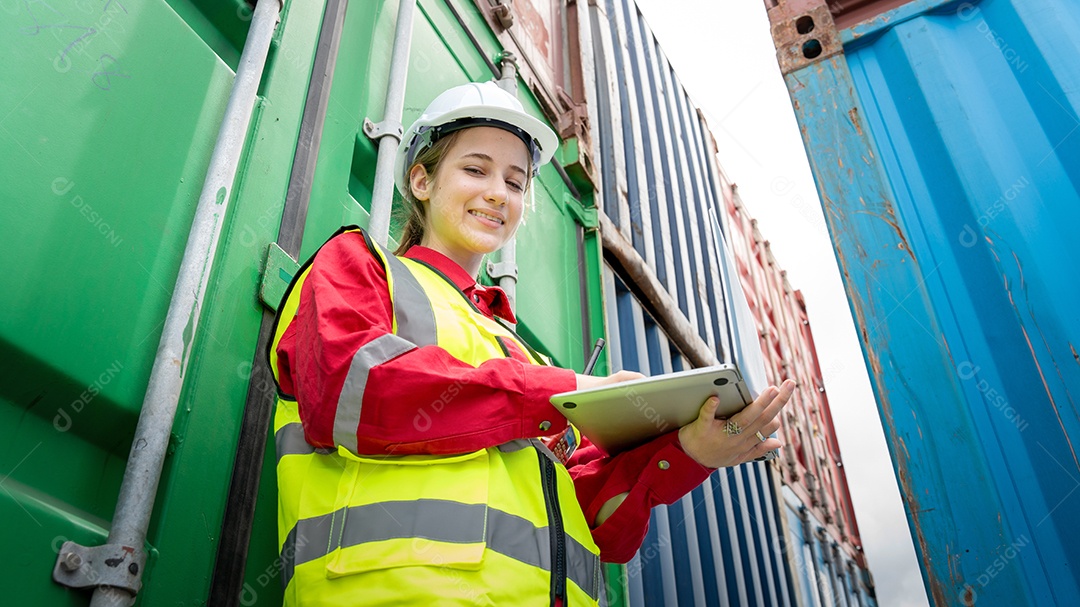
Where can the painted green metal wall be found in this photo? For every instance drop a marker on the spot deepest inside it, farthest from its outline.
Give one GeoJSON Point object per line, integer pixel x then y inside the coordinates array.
{"type": "Point", "coordinates": [108, 114]}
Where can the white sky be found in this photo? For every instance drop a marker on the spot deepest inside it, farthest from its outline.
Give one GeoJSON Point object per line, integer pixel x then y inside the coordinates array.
{"type": "Point", "coordinates": [724, 56]}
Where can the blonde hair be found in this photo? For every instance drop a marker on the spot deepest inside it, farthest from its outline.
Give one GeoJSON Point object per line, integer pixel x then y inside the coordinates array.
{"type": "Point", "coordinates": [413, 214]}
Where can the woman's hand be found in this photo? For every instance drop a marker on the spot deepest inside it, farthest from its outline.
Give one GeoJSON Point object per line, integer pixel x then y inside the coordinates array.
{"type": "Point", "coordinates": [705, 440]}
{"type": "Point", "coordinates": [592, 381]}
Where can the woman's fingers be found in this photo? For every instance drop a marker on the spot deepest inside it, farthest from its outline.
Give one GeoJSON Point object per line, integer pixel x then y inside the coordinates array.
{"type": "Point", "coordinates": [765, 409]}
{"type": "Point", "coordinates": [708, 410]}
{"type": "Point", "coordinates": [759, 449]}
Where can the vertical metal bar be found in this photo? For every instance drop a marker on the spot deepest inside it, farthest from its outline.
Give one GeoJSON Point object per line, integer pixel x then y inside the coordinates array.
{"type": "Point", "coordinates": [779, 545]}
{"type": "Point", "coordinates": [738, 478]}
{"type": "Point", "coordinates": [611, 317]}
{"type": "Point", "coordinates": [679, 180]}
{"type": "Point", "coordinates": [507, 275]}
{"type": "Point", "coordinates": [709, 270]}
{"type": "Point", "coordinates": [713, 537]}
{"type": "Point", "coordinates": [235, 536]}
{"type": "Point", "coordinates": [665, 565]}
{"type": "Point", "coordinates": [734, 546]}
{"type": "Point", "coordinates": [690, 204]}
{"type": "Point", "coordinates": [754, 473]}
{"type": "Point", "coordinates": [637, 188]}
{"type": "Point", "coordinates": [689, 528]}
{"type": "Point", "coordinates": [635, 582]}
{"type": "Point", "coordinates": [612, 161]}
{"type": "Point", "coordinates": [143, 472]}
{"type": "Point", "coordinates": [382, 191]}
{"type": "Point", "coordinates": [655, 160]}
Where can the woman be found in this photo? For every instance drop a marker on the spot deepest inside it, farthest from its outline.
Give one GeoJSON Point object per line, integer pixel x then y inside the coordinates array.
{"type": "Point", "coordinates": [410, 470]}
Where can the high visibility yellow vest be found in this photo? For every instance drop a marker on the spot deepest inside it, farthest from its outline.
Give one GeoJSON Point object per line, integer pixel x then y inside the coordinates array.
{"type": "Point", "coordinates": [482, 528]}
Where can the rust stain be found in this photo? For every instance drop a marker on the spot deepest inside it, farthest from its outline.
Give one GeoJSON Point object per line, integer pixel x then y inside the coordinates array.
{"type": "Point", "coordinates": [535, 26]}
{"type": "Point", "coordinates": [1020, 269]}
{"type": "Point", "coordinates": [1050, 352]}
{"type": "Point", "coordinates": [1076, 356]}
{"type": "Point", "coordinates": [1046, 388]}
{"type": "Point", "coordinates": [889, 217]}
{"type": "Point", "coordinates": [853, 115]}
{"type": "Point", "coordinates": [902, 461]}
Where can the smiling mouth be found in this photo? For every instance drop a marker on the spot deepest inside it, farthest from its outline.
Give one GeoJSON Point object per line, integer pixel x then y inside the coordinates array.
{"type": "Point", "coordinates": [486, 216]}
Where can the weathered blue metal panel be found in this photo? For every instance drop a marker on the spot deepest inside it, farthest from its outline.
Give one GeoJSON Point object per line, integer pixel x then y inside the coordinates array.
{"type": "Point", "coordinates": [944, 144]}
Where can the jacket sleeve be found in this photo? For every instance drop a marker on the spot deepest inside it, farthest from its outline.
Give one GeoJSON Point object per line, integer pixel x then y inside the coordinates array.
{"type": "Point", "coordinates": [658, 472]}
{"type": "Point", "coordinates": [361, 387]}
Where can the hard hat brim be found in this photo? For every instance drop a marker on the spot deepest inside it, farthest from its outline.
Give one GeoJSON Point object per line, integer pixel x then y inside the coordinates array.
{"type": "Point", "coordinates": [545, 138]}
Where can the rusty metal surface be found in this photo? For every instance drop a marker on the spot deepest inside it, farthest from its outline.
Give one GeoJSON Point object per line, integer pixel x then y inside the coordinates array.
{"type": "Point", "coordinates": [803, 33]}
{"type": "Point", "coordinates": [943, 143]}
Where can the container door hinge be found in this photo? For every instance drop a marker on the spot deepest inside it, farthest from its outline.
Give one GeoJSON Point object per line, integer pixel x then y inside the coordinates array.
{"type": "Point", "coordinates": [387, 128]}
{"type": "Point", "coordinates": [109, 565]}
{"type": "Point", "coordinates": [503, 12]}
{"type": "Point", "coordinates": [586, 217]}
{"type": "Point", "coordinates": [501, 269]}
{"type": "Point", "coordinates": [278, 272]}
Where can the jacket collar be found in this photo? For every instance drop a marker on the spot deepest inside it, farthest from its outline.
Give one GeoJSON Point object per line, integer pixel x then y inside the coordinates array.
{"type": "Point", "coordinates": [490, 300]}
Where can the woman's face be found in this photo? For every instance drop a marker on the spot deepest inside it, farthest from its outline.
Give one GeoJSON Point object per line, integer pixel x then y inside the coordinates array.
{"type": "Point", "coordinates": [475, 200]}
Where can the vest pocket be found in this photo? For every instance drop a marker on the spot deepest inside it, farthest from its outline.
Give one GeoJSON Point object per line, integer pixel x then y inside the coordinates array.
{"type": "Point", "coordinates": [409, 511]}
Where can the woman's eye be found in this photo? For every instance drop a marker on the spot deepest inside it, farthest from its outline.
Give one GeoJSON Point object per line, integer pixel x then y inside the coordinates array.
{"type": "Point", "coordinates": [473, 171]}
{"type": "Point", "coordinates": [515, 186]}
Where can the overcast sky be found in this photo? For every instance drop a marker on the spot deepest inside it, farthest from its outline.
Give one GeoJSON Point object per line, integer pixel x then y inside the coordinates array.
{"type": "Point", "coordinates": [724, 56]}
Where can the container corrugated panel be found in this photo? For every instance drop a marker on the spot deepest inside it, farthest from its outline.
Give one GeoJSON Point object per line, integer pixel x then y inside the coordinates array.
{"type": "Point", "coordinates": [725, 544]}
{"type": "Point", "coordinates": [657, 167]}
{"type": "Point", "coordinates": [811, 467]}
{"type": "Point", "coordinates": [825, 574]}
{"type": "Point", "coordinates": [108, 114]}
{"type": "Point", "coordinates": [942, 136]}
{"type": "Point", "coordinates": [722, 544]}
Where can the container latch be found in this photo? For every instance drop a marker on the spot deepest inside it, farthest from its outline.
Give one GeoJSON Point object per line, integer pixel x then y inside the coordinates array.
{"type": "Point", "coordinates": [109, 565]}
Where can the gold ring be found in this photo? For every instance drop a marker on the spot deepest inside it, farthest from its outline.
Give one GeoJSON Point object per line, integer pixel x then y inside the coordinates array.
{"type": "Point", "coordinates": [760, 436]}
{"type": "Point", "coordinates": [732, 428]}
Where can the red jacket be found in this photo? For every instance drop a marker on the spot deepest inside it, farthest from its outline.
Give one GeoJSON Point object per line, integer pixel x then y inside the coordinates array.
{"type": "Point", "coordinates": [428, 402]}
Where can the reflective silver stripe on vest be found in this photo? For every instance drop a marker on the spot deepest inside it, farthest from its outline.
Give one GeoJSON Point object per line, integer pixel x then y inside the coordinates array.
{"type": "Point", "coordinates": [375, 352]}
{"type": "Point", "coordinates": [441, 521]}
{"type": "Point", "coordinates": [412, 308]}
{"type": "Point", "coordinates": [289, 440]}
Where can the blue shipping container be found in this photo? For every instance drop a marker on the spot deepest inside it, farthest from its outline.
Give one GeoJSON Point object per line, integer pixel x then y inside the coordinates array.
{"type": "Point", "coordinates": [944, 140]}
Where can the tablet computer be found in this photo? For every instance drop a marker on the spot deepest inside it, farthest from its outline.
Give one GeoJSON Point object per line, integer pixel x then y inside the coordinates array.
{"type": "Point", "coordinates": [625, 415]}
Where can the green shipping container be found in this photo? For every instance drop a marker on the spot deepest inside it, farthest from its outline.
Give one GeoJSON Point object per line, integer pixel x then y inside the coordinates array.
{"type": "Point", "coordinates": [109, 112]}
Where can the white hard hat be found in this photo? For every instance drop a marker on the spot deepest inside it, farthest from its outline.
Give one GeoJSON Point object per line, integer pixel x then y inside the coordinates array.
{"type": "Point", "coordinates": [469, 105]}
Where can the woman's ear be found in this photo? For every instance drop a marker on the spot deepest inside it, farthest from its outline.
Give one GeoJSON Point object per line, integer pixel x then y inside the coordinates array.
{"type": "Point", "coordinates": [420, 182]}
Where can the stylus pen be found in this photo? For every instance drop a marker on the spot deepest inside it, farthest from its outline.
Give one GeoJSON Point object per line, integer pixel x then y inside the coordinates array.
{"type": "Point", "coordinates": [595, 356]}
